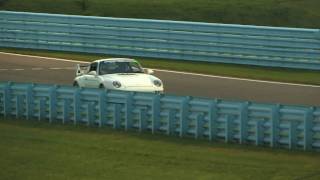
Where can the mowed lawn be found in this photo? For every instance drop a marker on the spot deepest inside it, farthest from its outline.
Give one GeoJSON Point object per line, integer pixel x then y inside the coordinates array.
{"type": "Point", "coordinates": [289, 13]}
{"type": "Point", "coordinates": [33, 150]}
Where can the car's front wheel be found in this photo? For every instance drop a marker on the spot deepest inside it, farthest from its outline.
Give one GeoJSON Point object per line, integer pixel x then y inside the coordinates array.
{"type": "Point", "coordinates": [101, 86]}
{"type": "Point", "coordinates": [75, 84]}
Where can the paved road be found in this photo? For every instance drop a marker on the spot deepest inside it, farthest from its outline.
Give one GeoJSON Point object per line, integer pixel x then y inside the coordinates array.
{"type": "Point", "coordinates": [41, 70]}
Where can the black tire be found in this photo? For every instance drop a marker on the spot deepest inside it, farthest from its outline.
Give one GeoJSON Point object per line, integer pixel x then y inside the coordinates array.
{"type": "Point", "coordinates": [101, 86]}
{"type": "Point", "coordinates": [75, 84]}
{"type": "Point", "coordinates": [159, 92]}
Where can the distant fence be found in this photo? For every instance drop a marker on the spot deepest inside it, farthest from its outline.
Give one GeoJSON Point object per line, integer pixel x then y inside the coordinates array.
{"type": "Point", "coordinates": [238, 44]}
{"type": "Point", "coordinates": [273, 125]}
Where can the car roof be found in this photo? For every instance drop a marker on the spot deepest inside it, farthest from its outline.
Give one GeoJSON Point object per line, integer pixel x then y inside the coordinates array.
{"type": "Point", "coordinates": [116, 60]}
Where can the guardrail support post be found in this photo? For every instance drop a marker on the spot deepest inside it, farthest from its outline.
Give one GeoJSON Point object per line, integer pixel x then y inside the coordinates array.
{"type": "Point", "coordinates": [7, 100]}
{"type": "Point", "coordinates": [171, 122]}
{"type": "Point", "coordinates": [155, 113]}
{"type": "Point", "coordinates": [116, 116]}
{"type": "Point", "coordinates": [52, 104]}
{"type": "Point", "coordinates": [129, 108]}
{"type": "Point", "coordinates": [90, 115]}
{"type": "Point", "coordinates": [103, 108]}
{"type": "Point", "coordinates": [42, 109]}
{"type": "Point", "coordinates": [228, 128]}
{"type": "Point", "coordinates": [213, 116]}
{"type": "Point", "coordinates": [308, 124]}
{"type": "Point", "coordinates": [76, 105]}
{"type": "Point", "coordinates": [275, 117]}
{"type": "Point", "coordinates": [142, 119]}
{"type": "Point", "coordinates": [293, 134]}
{"type": "Point", "coordinates": [184, 112]}
{"type": "Point", "coordinates": [243, 122]}
{"type": "Point", "coordinates": [29, 102]}
{"type": "Point", "coordinates": [199, 126]}
{"type": "Point", "coordinates": [259, 132]}
{"type": "Point", "coordinates": [19, 108]}
{"type": "Point", "coordinates": [66, 107]}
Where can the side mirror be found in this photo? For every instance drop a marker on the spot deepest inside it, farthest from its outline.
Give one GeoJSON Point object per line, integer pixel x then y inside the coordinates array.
{"type": "Point", "coordinates": [149, 71]}
{"type": "Point", "coordinates": [94, 73]}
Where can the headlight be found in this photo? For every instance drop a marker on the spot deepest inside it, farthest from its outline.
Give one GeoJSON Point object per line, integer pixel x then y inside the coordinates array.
{"type": "Point", "coordinates": [116, 84]}
{"type": "Point", "coordinates": [157, 83]}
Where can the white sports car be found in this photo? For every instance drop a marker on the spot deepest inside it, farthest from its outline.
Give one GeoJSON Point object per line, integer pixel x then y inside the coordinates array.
{"type": "Point", "coordinates": [117, 74]}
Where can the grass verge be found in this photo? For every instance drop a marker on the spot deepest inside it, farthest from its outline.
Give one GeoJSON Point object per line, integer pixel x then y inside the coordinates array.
{"type": "Point", "coordinates": [292, 13]}
{"type": "Point", "coordinates": [34, 150]}
{"type": "Point", "coordinates": [241, 71]}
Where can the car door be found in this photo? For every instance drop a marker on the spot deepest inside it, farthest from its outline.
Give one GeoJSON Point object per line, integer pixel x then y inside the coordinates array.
{"type": "Point", "coordinates": [91, 79]}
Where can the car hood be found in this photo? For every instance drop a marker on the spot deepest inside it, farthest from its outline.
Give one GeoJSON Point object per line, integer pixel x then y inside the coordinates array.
{"type": "Point", "coordinates": [131, 79]}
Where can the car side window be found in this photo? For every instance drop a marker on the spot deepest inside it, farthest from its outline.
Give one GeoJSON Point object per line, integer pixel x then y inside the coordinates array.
{"type": "Point", "coordinates": [93, 67]}
{"type": "Point", "coordinates": [135, 67]}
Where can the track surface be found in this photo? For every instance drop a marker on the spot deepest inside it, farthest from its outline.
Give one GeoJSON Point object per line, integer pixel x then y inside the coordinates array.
{"type": "Point", "coordinates": [47, 70]}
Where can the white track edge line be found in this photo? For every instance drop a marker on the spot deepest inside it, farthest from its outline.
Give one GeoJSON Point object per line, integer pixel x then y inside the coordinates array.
{"type": "Point", "coordinates": [177, 72]}
{"type": "Point", "coordinates": [240, 79]}
{"type": "Point", "coordinates": [44, 58]}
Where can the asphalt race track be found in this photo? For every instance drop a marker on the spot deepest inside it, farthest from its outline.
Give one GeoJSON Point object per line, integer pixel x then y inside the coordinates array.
{"type": "Point", "coordinates": [20, 68]}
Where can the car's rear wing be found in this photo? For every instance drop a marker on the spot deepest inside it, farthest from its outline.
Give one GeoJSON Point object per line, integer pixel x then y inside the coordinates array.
{"type": "Point", "coordinates": [81, 69]}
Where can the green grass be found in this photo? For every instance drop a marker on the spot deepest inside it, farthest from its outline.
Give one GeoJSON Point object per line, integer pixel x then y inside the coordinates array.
{"type": "Point", "coordinates": [241, 71]}
{"type": "Point", "coordinates": [289, 13]}
{"type": "Point", "coordinates": [33, 150]}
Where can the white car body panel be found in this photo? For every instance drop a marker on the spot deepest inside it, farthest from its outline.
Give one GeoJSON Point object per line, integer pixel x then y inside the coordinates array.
{"type": "Point", "coordinates": [141, 82]}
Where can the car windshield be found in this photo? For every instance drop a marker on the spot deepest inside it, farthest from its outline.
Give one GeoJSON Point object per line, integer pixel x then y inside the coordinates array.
{"type": "Point", "coordinates": [119, 67]}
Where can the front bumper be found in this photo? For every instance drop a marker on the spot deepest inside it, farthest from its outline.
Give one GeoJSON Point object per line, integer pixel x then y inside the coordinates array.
{"type": "Point", "coordinates": [143, 89]}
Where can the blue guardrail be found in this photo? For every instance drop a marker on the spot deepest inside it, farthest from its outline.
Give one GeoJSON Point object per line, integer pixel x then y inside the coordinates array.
{"type": "Point", "coordinates": [208, 42]}
{"type": "Point", "coordinates": [274, 125]}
